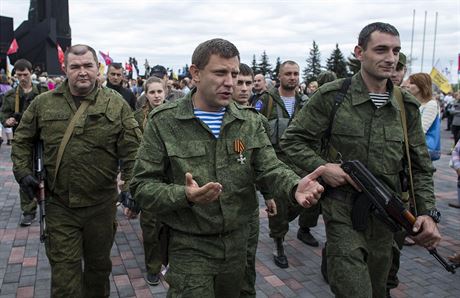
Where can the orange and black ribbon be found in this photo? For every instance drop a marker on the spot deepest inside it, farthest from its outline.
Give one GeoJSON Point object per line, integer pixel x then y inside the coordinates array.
{"type": "Point", "coordinates": [238, 146]}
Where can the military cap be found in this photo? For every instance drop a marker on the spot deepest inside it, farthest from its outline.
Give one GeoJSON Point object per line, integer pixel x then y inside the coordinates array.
{"type": "Point", "coordinates": [402, 59]}
{"type": "Point", "coordinates": [158, 71]}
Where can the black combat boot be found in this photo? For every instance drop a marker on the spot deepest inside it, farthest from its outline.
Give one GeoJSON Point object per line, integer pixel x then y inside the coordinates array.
{"type": "Point", "coordinates": [304, 235]}
{"type": "Point", "coordinates": [279, 257]}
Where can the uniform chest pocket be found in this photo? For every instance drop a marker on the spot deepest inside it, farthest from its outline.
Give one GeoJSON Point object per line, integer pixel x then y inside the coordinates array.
{"type": "Point", "coordinates": [188, 156]}
{"type": "Point", "coordinates": [98, 129]}
{"type": "Point", "coordinates": [53, 126]}
{"type": "Point", "coordinates": [393, 149]}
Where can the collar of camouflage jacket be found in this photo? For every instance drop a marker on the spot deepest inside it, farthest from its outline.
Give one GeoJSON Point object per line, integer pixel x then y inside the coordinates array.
{"type": "Point", "coordinates": [360, 92]}
{"type": "Point", "coordinates": [185, 108]}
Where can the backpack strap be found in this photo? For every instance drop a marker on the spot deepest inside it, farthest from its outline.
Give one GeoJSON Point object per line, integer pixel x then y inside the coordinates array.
{"type": "Point", "coordinates": [399, 97]}
{"type": "Point", "coordinates": [16, 100]}
{"type": "Point", "coordinates": [68, 133]}
{"type": "Point", "coordinates": [339, 97]}
{"type": "Point", "coordinates": [270, 105]}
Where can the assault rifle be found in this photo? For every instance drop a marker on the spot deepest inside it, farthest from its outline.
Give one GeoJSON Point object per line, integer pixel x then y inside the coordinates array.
{"type": "Point", "coordinates": [387, 206]}
{"type": "Point", "coordinates": [39, 173]}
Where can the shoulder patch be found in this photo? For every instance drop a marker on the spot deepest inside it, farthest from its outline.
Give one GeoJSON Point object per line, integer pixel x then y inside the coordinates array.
{"type": "Point", "coordinates": [259, 105]}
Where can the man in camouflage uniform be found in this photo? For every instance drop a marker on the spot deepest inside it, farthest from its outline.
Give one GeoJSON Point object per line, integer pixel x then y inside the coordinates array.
{"type": "Point", "coordinates": [200, 180]}
{"type": "Point", "coordinates": [81, 193]}
{"type": "Point", "coordinates": [367, 127]}
{"type": "Point", "coordinates": [15, 103]}
{"type": "Point", "coordinates": [278, 105]}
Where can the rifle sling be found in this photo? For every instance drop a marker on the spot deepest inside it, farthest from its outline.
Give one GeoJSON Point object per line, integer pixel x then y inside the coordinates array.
{"type": "Point", "coordinates": [399, 97]}
{"type": "Point", "coordinates": [68, 133]}
{"type": "Point", "coordinates": [339, 97]}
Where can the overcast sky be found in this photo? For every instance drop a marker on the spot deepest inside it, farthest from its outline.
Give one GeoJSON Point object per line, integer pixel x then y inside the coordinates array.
{"type": "Point", "coordinates": [167, 32]}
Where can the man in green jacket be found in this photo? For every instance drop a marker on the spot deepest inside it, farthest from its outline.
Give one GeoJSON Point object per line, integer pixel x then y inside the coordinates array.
{"type": "Point", "coordinates": [81, 189]}
{"type": "Point", "coordinates": [367, 126]}
{"type": "Point", "coordinates": [197, 168]}
{"type": "Point", "coordinates": [15, 103]}
{"type": "Point", "coordinates": [280, 105]}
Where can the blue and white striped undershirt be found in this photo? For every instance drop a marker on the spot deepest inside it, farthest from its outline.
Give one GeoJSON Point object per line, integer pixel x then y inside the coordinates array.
{"type": "Point", "coordinates": [212, 119]}
{"type": "Point", "coordinates": [379, 99]}
{"type": "Point", "coordinates": [289, 103]}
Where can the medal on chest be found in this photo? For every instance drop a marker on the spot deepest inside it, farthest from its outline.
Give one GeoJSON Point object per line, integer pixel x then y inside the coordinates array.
{"type": "Point", "coordinates": [238, 146]}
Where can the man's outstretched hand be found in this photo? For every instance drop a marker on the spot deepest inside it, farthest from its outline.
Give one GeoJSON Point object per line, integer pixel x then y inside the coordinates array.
{"type": "Point", "coordinates": [309, 190]}
{"type": "Point", "coordinates": [201, 195]}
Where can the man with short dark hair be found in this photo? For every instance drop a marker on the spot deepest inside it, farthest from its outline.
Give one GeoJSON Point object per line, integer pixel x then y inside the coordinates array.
{"type": "Point", "coordinates": [81, 158]}
{"type": "Point", "coordinates": [366, 126]}
{"type": "Point", "coordinates": [115, 82]}
{"type": "Point", "coordinates": [243, 87]}
{"type": "Point", "coordinates": [15, 102]}
{"type": "Point", "coordinates": [280, 105]}
{"type": "Point", "coordinates": [197, 169]}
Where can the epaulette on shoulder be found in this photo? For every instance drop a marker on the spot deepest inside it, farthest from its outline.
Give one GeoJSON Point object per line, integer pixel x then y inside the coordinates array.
{"type": "Point", "coordinates": [163, 107]}
{"type": "Point", "coordinates": [331, 86]}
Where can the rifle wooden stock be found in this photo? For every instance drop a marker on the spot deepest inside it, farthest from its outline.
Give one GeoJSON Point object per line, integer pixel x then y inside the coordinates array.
{"type": "Point", "coordinates": [388, 207]}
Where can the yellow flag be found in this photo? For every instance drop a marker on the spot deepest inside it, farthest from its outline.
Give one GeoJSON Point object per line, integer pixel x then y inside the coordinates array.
{"type": "Point", "coordinates": [101, 69]}
{"type": "Point", "coordinates": [440, 81]}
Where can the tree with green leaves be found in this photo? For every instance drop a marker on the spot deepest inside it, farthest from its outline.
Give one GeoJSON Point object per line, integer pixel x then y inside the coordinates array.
{"type": "Point", "coordinates": [313, 68]}
{"type": "Point", "coordinates": [264, 66]}
{"type": "Point", "coordinates": [277, 67]}
{"type": "Point", "coordinates": [336, 63]}
{"type": "Point", "coordinates": [353, 63]}
{"type": "Point", "coordinates": [254, 64]}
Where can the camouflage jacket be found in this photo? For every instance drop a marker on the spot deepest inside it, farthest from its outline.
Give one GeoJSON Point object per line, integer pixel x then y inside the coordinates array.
{"type": "Point", "coordinates": [105, 134]}
{"type": "Point", "coordinates": [176, 142]}
{"type": "Point", "coordinates": [362, 132]}
{"type": "Point", "coordinates": [9, 101]}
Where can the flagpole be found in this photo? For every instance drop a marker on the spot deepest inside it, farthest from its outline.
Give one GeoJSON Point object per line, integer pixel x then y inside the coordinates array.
{"type": "Point", "coordinates": [434, 42]}
{"type": "Point", "coordinates": [423, 44]}
{"type": "Point", "coordinates": [412, 43]}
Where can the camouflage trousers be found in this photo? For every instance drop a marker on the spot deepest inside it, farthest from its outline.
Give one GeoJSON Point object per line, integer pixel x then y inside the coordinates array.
{"type": "Point", "coordinates": [248, 288]}
{"type": "Point", "coordinates": [279, 224]}
{"type": "Point", "coordinates": [28, 206]}
{"type": "Point", "coordinates": [398, 243]}
{"type": "Point", "coordinates": [357, 262]}
{"type": "Point", "coordinates": [74, 234]}
{"type": "Point", "coordinates": [150, 231]}
{"type": "Point", "coordinates": [206, 266]}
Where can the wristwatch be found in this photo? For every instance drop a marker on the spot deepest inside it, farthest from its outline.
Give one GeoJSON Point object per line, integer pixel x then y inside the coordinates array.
{"type": "Point", "coordinates": [434, 214]}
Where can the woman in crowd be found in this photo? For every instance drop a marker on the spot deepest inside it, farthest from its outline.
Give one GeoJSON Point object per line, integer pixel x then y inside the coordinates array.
{"type": "Point", "coordinates": [420, 87]}
{"type": "Point", "coordinates": [155, 93]}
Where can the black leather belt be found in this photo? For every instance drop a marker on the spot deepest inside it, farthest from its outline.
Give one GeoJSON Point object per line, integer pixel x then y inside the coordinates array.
{"type": "Point", "coordinates": [216, 235]}
{"type": "Point", "coordinates": [341, 194]}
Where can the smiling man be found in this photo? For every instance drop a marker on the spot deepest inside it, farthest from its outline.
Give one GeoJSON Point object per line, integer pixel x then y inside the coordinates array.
{"type": "Point", "coordinates": [367, 127]}
{"type": "Point", "coordinates": [197, 169]}
{"type": "Point", "coordinates": [81, 174]}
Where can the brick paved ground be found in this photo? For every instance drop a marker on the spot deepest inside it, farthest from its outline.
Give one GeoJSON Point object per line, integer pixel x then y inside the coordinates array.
{"type": "Point", "coordinates": [25, 272]}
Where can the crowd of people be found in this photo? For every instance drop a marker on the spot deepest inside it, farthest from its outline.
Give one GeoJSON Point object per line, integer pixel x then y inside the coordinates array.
{"type": "Point", "coordinates": [192, 154]}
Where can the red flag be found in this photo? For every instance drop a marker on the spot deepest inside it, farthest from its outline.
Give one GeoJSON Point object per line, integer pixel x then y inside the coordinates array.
{"type": "Point", "coordinates": [60, 56]}
{"type": "Point", "coordinates": [106, 58]}
{"type": "Point", "coordinates": [13, 47]}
